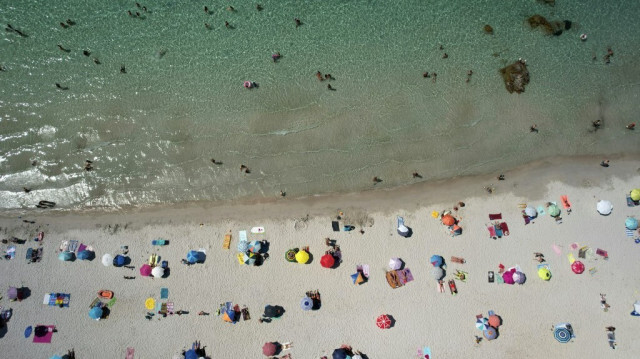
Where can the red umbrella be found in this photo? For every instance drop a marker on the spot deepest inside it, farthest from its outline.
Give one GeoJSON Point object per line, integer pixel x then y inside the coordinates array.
{"type": "Point", "coordinates": [494, 321]}
{"type": "Point", "coordinates": [327, 261]}
{"type": "Point", "coordinates": [383, 322]}
{"type": "Point", "coordinates": [269, 349]}
{"type": "Point", "coordinates": [448, 220]}
{"type": "Point", "coordinates": [577, 267]}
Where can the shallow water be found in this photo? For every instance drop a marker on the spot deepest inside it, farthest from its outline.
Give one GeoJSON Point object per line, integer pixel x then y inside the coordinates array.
{"type": "Point", "coordinates": [152, 131]}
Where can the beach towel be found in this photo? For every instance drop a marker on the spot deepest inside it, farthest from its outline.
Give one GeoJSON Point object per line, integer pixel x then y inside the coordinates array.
{"type": "Point", "coordinates": [495, 216]}
{"type": "Point", "coordinates": [61, 300]}
{"type": "Point", "coordinates": [571, 258]}
{"type": "Point", "coordinates": [565, 202]}
{"type": "Point", "coordinates": [73, 245]}
{"type": "Point", "coordinates": [164, 293]}
{"type": "Point", "coordinates": [226, 244]}
{"type": "Point", "coordinates": [39, 254]}
{"type": "Point", "coordinates": [64, 246]}
{"type": "Point", "coordinates": [492, 231]}
{"type": "Point", "coordinates": [365, 270]}
{"type": "Point", "coordinates": [242, 236]}
{"type": "Point", "coordinates": [29, 254]}
{"type": "Point", "coordinates": [426, 353]}
{"type": "Point", "coordinates": [336, 226]}
{"type": "Point", "coordinates": [526, 218]}
{"type": "Point", "coordinates": [505, 228]}
{"type": "Point", "coordinates": [81, 247]}
{"type": "Point", "coordinates": [629, 232]}
{"type": "Point", "coordinates": [556, 249]}
{"type": "Point", "coordinates": [111, 302]}
{"type": "Point", "coordinates": [630, 202]}
{"type": "Point", "coordinates": [130, 353]}
{"type": "Point", "coordinates": [541, 211]}
{"type": "Point", "coordinates": [46, 338]}
{"type": "Point", "coordinates": [602, 252]}
{"type": "Point", "coordinates": [404, 276]}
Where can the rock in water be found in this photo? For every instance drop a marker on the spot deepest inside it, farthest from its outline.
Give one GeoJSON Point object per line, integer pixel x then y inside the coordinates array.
{"type": "Point", "coordinates": [488, 29]}
{"type": "Point", "coordinates": [549, 27]}
{"type": "Point", "coordinates": [515, 76]}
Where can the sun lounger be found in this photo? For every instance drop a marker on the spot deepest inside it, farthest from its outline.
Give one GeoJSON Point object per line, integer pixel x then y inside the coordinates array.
{"type": "Point", "coordinates": [365, 270]}
{"type": "Point", "coordinates": [495, 216]}
{"type": "Point", "coordinates": [226, 244]}
{"type": "Point", "coordinates": [505, 228]}
{"type": "Point", "coordinates": [73, 245]}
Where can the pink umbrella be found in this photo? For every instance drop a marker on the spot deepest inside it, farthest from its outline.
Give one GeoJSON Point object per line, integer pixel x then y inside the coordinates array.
{"type": "Point", "coordinates": [145, 270]}
{"type": "Point", "coordinates": [577, 267]}
{"type": "Point", "coordinates": [508, 276]}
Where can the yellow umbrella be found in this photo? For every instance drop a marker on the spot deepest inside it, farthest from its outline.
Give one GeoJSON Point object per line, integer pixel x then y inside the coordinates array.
{"type": "Point", "coordinates": [544, 273]}
{"type": "Point", "coordinates": [150, 303]}
{"type": "Point", "coordinates": [302, 257]}
{"type": "Point", "coordinates": [635, 194]}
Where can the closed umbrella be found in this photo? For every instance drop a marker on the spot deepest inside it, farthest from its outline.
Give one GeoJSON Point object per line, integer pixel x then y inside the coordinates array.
{"type": "Point", "coordinates": [302, 257]}
{"type": "Point", "coordinates": [157, 272]}
{"type": "Point", "coordinates": [544, 273]}
{"type": "Point", "coordinates": [269, 349]}
{"type": "Point", "coordinates": [306, 303]}
{"type": "Point", "coordinates": [636, 309]}
{"type": "Point", "coordinates": [436, 260]}
{"type": "Point", "coordinates": [604, 207]}
{"type": "Point", "coordinates": [635, 194]}
{"type": "Point", "coordinates": [65, 256]}
{"type": "Point", "coordinates": [12, 293]}
{"type": "Point", "coordinates": [243, 246]}
{"type": "Point", "coordinates": [383, 322]}
{"type": "Point", "coordinates": [531, 212]}
{"type": "Point", "coordinates": [519, 277]}
{"type": "Point", "coordinates": [119, 260]}
{"type": "Point", "coordinates": [85, 255]}
{"type": "Point", "coordinates": [448, 220]}
{"type": "Point", "coordinates": [631, 223]}
{"type": "Point", "coordinates": [490, 333]}
{"type": "Point", "coordinates": [255, 246]}
{"type": "Point", "coordinates": [437, 273]}
{"type": "Point", "coordinates": [340, 353]}
{"type": "Point", "coordinates": [553, 210]}
{"type": "Point", "coordinates": [145, 270]}
{"type": "Point", "coordinates": [95, 313]}
{"type": "Point", "coordinates": [395, 263]}
{"type": "Point", "coordinates": [107, 260]}
{"type": "Point", "coordinates": [249, 258]}
{"type": "Point", "coordinates": [482, 323]}
{"type": "Point", "coordinates": [327, 261]}
{"type": "Point", "coordinates": [494, 321]}
{"type": "Point", "coordinates": [508, 277]}
{"type": "Point", "coordinates": [562, 334]}
{"type": "Point", "coordinates": [577, 267]}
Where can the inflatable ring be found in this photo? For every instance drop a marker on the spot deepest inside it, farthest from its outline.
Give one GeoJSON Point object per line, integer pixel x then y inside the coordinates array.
{"type": "Point", "coordinates": [248, 84]}
{"type": "Point", "coordinates": [583, 37]}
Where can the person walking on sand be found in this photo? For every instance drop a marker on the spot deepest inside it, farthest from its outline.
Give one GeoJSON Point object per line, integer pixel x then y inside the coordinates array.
{"type": "Point", "coordinates": [533, 128]}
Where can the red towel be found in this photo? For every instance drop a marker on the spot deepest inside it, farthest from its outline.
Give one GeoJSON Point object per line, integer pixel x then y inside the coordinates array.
{"type": "Point", "coordinates": [495, 216]}
{"type": "Point", "coordinates": [505, 228]}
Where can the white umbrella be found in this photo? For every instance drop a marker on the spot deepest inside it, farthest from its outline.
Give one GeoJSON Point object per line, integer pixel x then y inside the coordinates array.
{"type": "Point", "coordinates": [107, 260]}
{"type": "Point", "coordinates": [530, 211]}
{"type": "Point", "coordinates": [395, 263]}
{"type": "Point", "coordinates": [604, 207]}
{"type": "Point", "coordinates": [437, 273]}
{"type": "Point", "coordinates": [157, 272]}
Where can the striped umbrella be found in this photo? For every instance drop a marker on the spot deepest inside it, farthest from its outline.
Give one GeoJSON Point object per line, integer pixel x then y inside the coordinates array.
{"type": "Point", "coordinates": [249, 258]}
{"type": "Point", "coordinates": [562, 334]}
{"type": "Point", "coordinates": [482, 323]}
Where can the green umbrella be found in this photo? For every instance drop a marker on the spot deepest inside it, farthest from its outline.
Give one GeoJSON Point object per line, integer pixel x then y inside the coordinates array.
{"type": "Point", "coordinates": [553, 210]}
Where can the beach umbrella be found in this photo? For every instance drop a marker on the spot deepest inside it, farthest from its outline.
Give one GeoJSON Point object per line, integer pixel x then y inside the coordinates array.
{"type": "Point", "coordinates": [357, 278]}
{"type": "Point", "coordinates": [302, 257]}
{"type": "Point", "coordinates": [84, 255]}
{"type": "Point", "coordinates": [145, 270]}
{"type": "Point", "coordinates": [327, 261]}
{"type": "Point", "coordinates": [531, 212]}
{"type": "Point", "coordinates": [508, 277]}
{"type": "Point", "coordinates": [119, 260]}
{"type": "Point", "coordinates": [490, 333]}
{"type": "Point", "coordinates": [194, 257]}
{"type": "Point", "coordinates": [191, 354]}
{"type": "Point", "coordinates": [157, 272]}
{"type": "Point", "coordinates": [395, 263]}
{"type": "Point", "coordinates": [150, 303]}
{"type": "Point", "coordinates": [436, 260]}
{"type": "Point", "coordinates": [482, 323]}
{"type": "Point", "coordinates": [494, 321]}
{"type": "Point", "coordinates": [383, 322]}
{"type": "Point", "coordinates": [631, 223]}
{"type": "Point", "coordinates": [65, 256]}
{"type": "Point", "coordinates": [95, 313]}
{"type": "Point", "coordinates": [553, 210]}
{"type": "Point", "coordinates": [635, 194]}
{"type": "Point", "coordinates": [562, 334]}
{"type": "Point", "coordinates": [255, 246]}
{"type": "Point", "coordinates": [519, 277]}
{"type": "Point", "coordinates": [229, 316]}
{"type": "Point", "coordinates": [107, 260]}
{"type": "Point", "coordinates": [340, 353]}
{"type": "Point", "coordinates": [249, 258]}
{"type": "Point", "coordinates": [306, 303]}
{"type": "Point", "coordinates": [273, 311]}
{"type": "Point", "coordinates": [448, 220]}
{"type": "Point", "coordinates": [269, 349]}
{"type": "Point", "coordinates": [577, 267]}
{"type": "Point", "coordinates": [12, 293]}
{"type": "Point", "coordinates": [544, 273]}
{"type": "Point", "coordinates": [437, 273]}
{"type": "Point", "coordinates": [604, 207]}
{"type": "Point", "coordinates": [243, 246]}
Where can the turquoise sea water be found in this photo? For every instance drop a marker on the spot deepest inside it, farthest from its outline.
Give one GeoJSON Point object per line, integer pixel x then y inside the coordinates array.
{"type": "Point", "coordinates": [152, 131]}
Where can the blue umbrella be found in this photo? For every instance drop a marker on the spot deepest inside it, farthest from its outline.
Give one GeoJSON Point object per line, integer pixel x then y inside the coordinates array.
{"type": "Point", "coordinates": [339, 354]}
{"type": "Point", "coordinates": [631, 223]}
{"type": "Point", "coordinates": [84, 255]}
{"type": "Point", "coordinates": [194, 256]}
{"type": "Point", "coordinates": [191, 354]}
{"type": "Point", "coordinates": [65, 256]}
{"type": "Point", "coordinates": [243, 246]}
{"type": "Point", "coordinates": [490, 333]}
{"type": "Point", "coordinates": [563, 335]}
{"type": "Point", "coordinates": [306, 303]}
{"type": "Point", "coordinates": [119, 260]}
{"type": "Point", "coordinates": [255, 246]}
{"type": "Point", "coordinates": [95, 313]}
{"type": "Point", "coordinates": [436, 260]}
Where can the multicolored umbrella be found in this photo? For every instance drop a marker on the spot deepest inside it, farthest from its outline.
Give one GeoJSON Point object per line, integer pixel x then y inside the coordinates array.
{"type": "Point", "coordinates": [357, 278]}
{"type": "Point", "coordinates": [562, 334]}
{"type": "Point", "coordinates": [255, 247]}
{"type": "Point", "coordinates": [482, 323]}
{"type": "Point", "coordinates": [249, 258]}
{"type": "Point", "coordinates": [302, 257]}
{"type": "Point", "coordinates": [490, 333]}
{"type": "Point", "coordinates": [383, 322]}
{"type": "Point", "coordinates": [327, 261]}
{"type": "Point", "coordinates": [306, 303]}
{"type": "Point", "coordinates": [577, 267]}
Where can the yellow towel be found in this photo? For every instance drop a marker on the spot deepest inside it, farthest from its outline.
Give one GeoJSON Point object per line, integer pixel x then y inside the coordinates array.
{"type": "Point", "coordinates": [571, 258]}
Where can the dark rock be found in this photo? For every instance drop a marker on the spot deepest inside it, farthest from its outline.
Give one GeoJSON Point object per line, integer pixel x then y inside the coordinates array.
{"type": "Point", "coordinates": [515, 76]}
{"type": "Point", "coordinates": [550, 28]}
{"type": "Point", "coordinates": [488, 29]}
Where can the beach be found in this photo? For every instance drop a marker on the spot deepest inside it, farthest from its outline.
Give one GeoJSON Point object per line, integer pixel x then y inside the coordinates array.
{"type": "Point", "coordinates": [423, 316]}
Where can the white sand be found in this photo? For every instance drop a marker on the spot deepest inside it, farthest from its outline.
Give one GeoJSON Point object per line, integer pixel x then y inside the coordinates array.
{"type": "Point", "coordinates": [423, 316]}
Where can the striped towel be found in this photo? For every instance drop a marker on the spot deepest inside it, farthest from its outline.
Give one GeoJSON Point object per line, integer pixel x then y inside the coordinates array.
{"type": "Point", "coordinates": [629, 232]}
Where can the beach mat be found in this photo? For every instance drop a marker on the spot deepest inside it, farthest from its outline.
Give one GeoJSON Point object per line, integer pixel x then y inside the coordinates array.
{"type": "Point", "coordinates": [164, 293]}
{"type": "Point", "coordinates": [58, 299]}
{"type": "Point", "coordinates": [541, 211]}
{"type": "Point", "coordinates": [495, 216]}
{"type": "Point", "coordinates": [336, 226]}
{"type": "Point", "coordinates": [46, 339]}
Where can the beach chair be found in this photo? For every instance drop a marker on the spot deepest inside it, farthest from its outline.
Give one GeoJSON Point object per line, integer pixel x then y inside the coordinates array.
{"type": "Point", "coordinates": [226, 244]}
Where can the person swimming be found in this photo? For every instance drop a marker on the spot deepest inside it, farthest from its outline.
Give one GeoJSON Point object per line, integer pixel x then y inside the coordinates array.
{"type": "Point", "coordinates": [319, 76]}
{"type": "Point", "coordinates": [86, 52]}
{"type": "Point", "coordinates": [298, 22]}
{"type": "Point", "coordinates": [123, 70]}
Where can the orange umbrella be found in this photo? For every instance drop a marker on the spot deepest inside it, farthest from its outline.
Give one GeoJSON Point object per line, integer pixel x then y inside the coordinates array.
{"type": "Point", "coordinates": [494, 321]}
{"type": "Point", "coordinates": [448, 220]}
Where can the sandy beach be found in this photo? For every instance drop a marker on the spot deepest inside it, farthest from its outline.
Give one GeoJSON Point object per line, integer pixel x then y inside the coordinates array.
{"type": "Point", "coordinates": [423, 316]}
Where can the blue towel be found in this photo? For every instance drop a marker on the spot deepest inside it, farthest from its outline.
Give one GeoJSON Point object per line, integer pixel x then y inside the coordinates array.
{"type": "Point", "coordinates": [164, 293]}
{"type": "Point", "coordinates": [629, 232]}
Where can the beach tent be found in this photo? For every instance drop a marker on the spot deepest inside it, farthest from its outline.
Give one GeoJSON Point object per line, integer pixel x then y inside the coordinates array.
{"type": "Point", "coordinates": [327, 261]}
{"type": "Point", "coordinates": [635, 194]}
{"type": "Point", "coordinates": [436, 260]}
{"type": "Point", "coordinates": [531, 212]}
{"type": "Point", "coordinates": [273, 311]}
{"type": "Point", "coordinates": [145, 270]}
{"type": "Point", "coordinates": [490, 333]}
{"type": "Point", "coordinates": [85, 255]}
{"type": "Point", "coordinates": [494, 321]}
{"type": "Point", "coordinates": [249, 258]}
{"type": "Point", "coordinates": [383, 322]}
{"type": "Point", "coordinates": [544, 273]}
{"type": "Point", "coordinates": [243, 246]}
{"type": "Point", "coordinates": [302, 257]}
{"type": "Point", "coordinates": [577, 267]}
{"type": "Point", "coordinates": [66, 256]}
{"type": "Point", "coordinates": [553, 210]}
{"type": "Point", "coordinates": [604, 207]}
{"type": "Point", "coordinates": [448, 220]}
{"type": "Point", "coordinates": [395, 263]}
{"type": "Point", "coordinates": [95, 313]}
{"type": "Point", "coordinates": [437, 273]}
{"type": "Point", "coordinates": [119, 260]}
{"type": "Point", "coordinates": [270, 349]}
{"type": "Point", "coordinates": [306, 303]}
{"type": "Point", "coordinates": [107, 260]}
{"type": "Point", "coordinates": [357, 278]}
{"type": "Point", "coordinates": [255, 246]}
{"type": "Point", "coordinates": [563, 332]}
{"type": "Point", "coordinates": [631, 223]}
{"type": "Point", "coordinates": [519, 277]}
{"type": "Point", "coordinates": [157, 272]}
{"type": "Point", "coordinates": [340, 353]}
